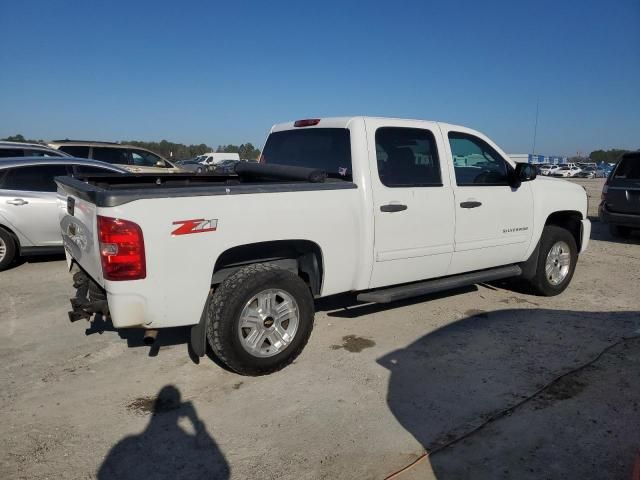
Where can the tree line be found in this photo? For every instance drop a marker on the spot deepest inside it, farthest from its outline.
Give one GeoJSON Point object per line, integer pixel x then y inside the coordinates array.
{"type": "Point", "coordinates": [176, 151]}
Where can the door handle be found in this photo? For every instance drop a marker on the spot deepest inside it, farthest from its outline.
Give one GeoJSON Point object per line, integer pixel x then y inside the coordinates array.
{"type": "Point", "coordinates": [17, 202]}
{"type": "Point", "coordinates": [393, 207]}
{"type": "Point", "coordinates": [470, 204]}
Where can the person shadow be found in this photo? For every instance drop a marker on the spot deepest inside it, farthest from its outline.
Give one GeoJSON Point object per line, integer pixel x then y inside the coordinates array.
{"type": "Point", "coordinates": [164, 450]}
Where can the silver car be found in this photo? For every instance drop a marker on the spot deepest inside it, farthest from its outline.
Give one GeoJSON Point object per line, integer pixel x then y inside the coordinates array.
{"type": "Point", "coordinates": [23, 149]}
{"type": "Point", "coordinates": [29, 222]}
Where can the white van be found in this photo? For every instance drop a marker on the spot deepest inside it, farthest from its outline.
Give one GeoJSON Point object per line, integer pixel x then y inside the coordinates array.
{"type": "Point", "coordinates": [213, 158]}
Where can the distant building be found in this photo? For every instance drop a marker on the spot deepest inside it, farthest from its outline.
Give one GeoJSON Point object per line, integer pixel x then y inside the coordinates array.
{"type": "Point", "coordinates": [538, 159]}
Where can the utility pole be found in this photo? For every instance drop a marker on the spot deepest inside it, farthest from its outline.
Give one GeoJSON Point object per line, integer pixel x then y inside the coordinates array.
{"type": "Point", "coordinates": [535, 129]}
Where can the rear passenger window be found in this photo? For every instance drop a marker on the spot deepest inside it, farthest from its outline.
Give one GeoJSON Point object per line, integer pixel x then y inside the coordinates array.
{"type": "Point", "coordinates": [76, 151]}
{"type": "Point", "coordinates": [11, 152]}
{"type": "Point", "coordinates": [407, 157]}
{"type": "Point", "coordinates": [37, 178]}
{"type": "Point", "coordinates": [111, 155]}
{"type": "Point", "coordinates": [475, 162]}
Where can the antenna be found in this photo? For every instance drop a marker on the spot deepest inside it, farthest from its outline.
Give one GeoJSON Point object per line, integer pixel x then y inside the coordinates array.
{"type": "Point", "coordinates": [535, 129]}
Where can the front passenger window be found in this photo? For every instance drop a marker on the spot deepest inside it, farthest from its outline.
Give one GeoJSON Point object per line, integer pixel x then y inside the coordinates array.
{"type": "Point", "coordinates": [475, 162]}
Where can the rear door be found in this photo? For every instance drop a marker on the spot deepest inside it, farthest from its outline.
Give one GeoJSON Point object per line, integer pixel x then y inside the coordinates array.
{"type": "Point", "coordinates": [28, 201]}
{"type": "Point", "coordinates": [412, 202]}
{"type": "Point", "coordinates": [623, 190]}
{"type": "Point", "coordinates": [493, 220]}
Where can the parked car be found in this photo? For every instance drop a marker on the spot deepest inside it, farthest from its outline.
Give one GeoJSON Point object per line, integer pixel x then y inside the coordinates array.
{"type": "Point", "coordinates": [620, 205]}
{"type": "Point", "coordinates": [21, 149]}
{"type": "Point", "coordinates": [29, 222]}
{"type": "Point", "coordinates": [587, 172]}
{"type": "Point", "coordinates": [214, 158]}
{"type": "Point", "coordinates": [551, 169]}
{"type": "Point", "coordinates": [302, 224]}
{"type": "Point", "coordinates": [129, 157]}
{"type": "Point", "coordinates": [225, 167]}
{"type": "Point", "coordinates": [566, 171]}
{"type": "Point", "coordinates": [192, 165]}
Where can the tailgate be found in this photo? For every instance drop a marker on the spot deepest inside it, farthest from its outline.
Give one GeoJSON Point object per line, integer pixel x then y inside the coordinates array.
{"type": "Point", "coordinates": [78, 225]}
{"type": "Point", "coordinates": [623, 198]}
{"type": "Point", "coordinates": [623, 195]}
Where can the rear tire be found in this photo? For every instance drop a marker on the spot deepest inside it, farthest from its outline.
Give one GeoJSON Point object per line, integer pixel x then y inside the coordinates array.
{"type": "Point", "coordinates": [8, 249]}
{"type": "Point", "coordinates": [556, 261]}
{"type": "Point", "coordinates": [233, 318]}
{"type": "Point", "coordinates": [619, 231]}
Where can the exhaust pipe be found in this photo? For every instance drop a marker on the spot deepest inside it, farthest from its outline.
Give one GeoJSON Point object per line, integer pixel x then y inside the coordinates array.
{"type": "Point", "coordinates": [150, 336]}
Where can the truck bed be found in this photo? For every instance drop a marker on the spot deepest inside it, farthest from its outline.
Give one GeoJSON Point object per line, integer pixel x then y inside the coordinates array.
{"type": "Point", "coordinates": [104, 190]}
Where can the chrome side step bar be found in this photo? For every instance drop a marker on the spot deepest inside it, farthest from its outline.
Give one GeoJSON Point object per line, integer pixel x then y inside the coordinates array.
{"type": "Point", "coordinates": [401, 292]}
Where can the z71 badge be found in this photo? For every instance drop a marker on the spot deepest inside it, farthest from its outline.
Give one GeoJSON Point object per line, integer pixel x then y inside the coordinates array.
{"type": "Point", "coordinates": [198, 225]}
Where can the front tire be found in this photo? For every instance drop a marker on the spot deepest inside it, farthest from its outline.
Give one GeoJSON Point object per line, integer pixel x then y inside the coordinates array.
{"type": "Point", "coordinates": [8, 249]}
{"type": "Point", "coordinates": [259, 319]}
{"type": "Point", "coordinates": [556, 261]}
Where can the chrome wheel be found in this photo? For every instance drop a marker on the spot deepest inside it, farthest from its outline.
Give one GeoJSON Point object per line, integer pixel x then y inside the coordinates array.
{"type": "Point", "coordinates": [268, 323]}
{"type": "Point", "coordinates": [558, 263]}
{"type": "Point", "coordinates": [3, 249]}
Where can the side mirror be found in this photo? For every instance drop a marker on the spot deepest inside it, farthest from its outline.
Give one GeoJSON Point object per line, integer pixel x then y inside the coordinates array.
{"type": "Point", "coordinates": [525, 172]}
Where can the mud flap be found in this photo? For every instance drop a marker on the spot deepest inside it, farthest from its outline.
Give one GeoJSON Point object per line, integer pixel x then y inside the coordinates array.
{"type": "Point", "coordinates": [199, 335]}
{"type": "Point", "coordinates": [530, 266]}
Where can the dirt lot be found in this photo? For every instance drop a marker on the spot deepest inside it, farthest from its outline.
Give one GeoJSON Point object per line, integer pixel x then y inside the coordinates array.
{"type": "Point", "coordinates": [376, 387]}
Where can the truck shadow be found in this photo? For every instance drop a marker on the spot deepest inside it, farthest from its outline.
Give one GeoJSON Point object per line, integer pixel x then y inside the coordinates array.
{"type": "Point", "coordinates": [449, 382]}
{"type": "Point", "coordinates": [164, 450]}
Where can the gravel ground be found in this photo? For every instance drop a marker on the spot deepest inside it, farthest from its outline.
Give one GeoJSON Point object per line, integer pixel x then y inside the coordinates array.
{"type": "Point", "coordinates": [376, 387]}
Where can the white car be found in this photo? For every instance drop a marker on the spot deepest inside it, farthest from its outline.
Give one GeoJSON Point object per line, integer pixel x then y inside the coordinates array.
{"type": "Point", "coordinates": [355, 204]}
{"type": "Point", "coordinates": [213, 158]}
{"type": "Point", "coordinates": [566, 171]}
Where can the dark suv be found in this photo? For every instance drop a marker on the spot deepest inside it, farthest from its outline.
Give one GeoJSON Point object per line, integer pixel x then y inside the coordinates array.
{"type": "Point", "coordinates": [620, 206]}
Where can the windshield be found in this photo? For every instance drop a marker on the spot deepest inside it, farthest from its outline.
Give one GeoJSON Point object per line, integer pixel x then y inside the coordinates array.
{"type": "Point", "coordinates": [327, 149]}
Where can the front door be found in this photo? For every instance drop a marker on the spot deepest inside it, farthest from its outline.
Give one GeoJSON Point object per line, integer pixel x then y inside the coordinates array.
{"type": "Point", "coordinates": [494, 221]}
{"type": "Point", "coordinates": [412, 201]}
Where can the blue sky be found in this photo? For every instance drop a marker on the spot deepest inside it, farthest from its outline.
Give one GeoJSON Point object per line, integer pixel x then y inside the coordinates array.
{"type": "Point", "coordinates": [224, 72]}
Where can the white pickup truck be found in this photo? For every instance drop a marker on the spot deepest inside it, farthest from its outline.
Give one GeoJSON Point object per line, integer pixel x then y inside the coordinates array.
{"type": "Point", "coordinates": [388, 208]}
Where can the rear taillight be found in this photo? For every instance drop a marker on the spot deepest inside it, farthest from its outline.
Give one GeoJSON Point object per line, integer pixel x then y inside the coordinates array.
{"type": "Point", "coordinates": [605, 189]}
{"type": "Point", "coordinates": [121, 249]}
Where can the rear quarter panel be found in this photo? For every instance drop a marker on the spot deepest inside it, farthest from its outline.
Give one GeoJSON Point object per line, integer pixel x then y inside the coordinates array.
{"type": "Point", "coordinates": [179, 267]}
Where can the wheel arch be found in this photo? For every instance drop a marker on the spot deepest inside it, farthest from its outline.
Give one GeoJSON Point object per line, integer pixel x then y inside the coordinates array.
{"type": "Point", "coordinates": [302, 257]}
{"type": "Point", "coordinates": [570, 220]}
{"type": "Point", "coordinates": [12, 234]}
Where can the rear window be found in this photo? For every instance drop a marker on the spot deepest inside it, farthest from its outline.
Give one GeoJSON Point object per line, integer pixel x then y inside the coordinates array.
{"type": "Point", "coordinates": [327, 149]}
{"type": "Point", "coordinates": [76, 151]}
{"type": "Point", "coordinates": [628, 168]}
